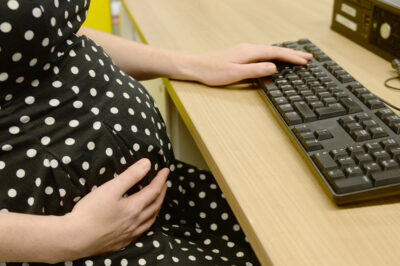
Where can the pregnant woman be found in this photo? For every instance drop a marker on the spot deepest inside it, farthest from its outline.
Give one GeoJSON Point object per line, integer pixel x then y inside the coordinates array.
{"type": "Point", "coordinates": [87, 173]}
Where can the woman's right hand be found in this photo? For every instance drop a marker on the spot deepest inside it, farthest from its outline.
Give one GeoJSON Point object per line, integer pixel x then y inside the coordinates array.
{"type": "Point", "coordinates": [105, 220]}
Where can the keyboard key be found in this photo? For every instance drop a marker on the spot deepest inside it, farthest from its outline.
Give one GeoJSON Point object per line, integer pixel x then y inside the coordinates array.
{"type": "Point", "coordinates": [362, 117]}
{"type": "Point", "coordinates": [362, 158]}
{"type": "Point", "coordinates": [331, 84]}
{"type": "Point", "coordinates": [370, 168]}
{"type": "Point", "coordinates": [353, 171]}
{"type": "Point", "coordinates": [386, 177]}
{"type": "Point", "coordinates": [304, 136]}
{"type": "Point", "coordinates": [346, 162]}
{"type": "Point", "coordinates": [391, 120]}
{"type": "Point", "coordinates": [384, 112]}
{"type": "Point", "coordinates": [345, 78]}
{"type": "Point", "coordinates": [275, 93]}
{"type": "Point", "coordinates": [367, 124]}
{"type": "Point", "coordinates": [288, 93]}
{"type": "Point", "coordinates": [322, 58]}
{"type": "Point", "coordinates": [307, 76]}
{"type": "Point", "coordinates": [378, 132]}
{"type": "Point", "coordinates": [281, 82]}
{"type": "Point", "coordinates": [396, 128]}
{"type": "Point", "coordinates": [285, 108]}
{"type": "Point", "coordinates": [337, 90]}
{"type": "Point", "coordinates": [297, 83]}
{"type": "Point", "coordinates": [329, 100]}
{"type": "Point", "coordinates": [323, 134]}
{"type": "Point", "coordinates": [300, 87]}
{"type": "Point", "coordinates": [375, 104]}
{"type": "Point", "coordinates": [324, 162]}
{"type": "Point", "coordinates": [338, 153]}
{"type": "Point", "coordinates": [313, 145]}
{"type": "Point", "coordinates": [331, 63]}
{"type": "Point", "coordinates": [324, 94]}
{"type": "Point", "coordinates": [299, 129]}
{"type": "Point", "coordinates": [338, 72]}
{"type": "Point", "coordinates": [335, 174]}
{"type": "Point", "coordinates": [346, 120]}
{"type": "Point", "coordinates": [339, 95]}
{"type": "Point", "coordinates": [310, 98]}
{"type": "Point", "coordinates": [295, 98]}
{"type": "Point", "coordinates": [350, 105]}
{"type": "Point", "coordinates": [358, 92]}
{"type": "Point", "coordinates": [279, 101]}
{"type": "Point", "coordinates": [292, 118]}
{"type": "Point", "coordinates": [380, 156]}
{"type": "Point", "coordinates": [286, 87]}
{"type": "Point", "coordinates": [389, 143]}
{"type": "Point", "coordinates": [303, 41]}
{"type": "Point", "coordinates": [354, 86]}
{"type": "Point", "coordinates": [373, 147]}
{"type": "Point", "coordinates": [292, 77]}
{"type": "Point", "coordinates": [367, 96]}
{"type": "Point", "coordinates": [320, 74]}
{"type": "Point", "coordinates": [395, 153]}
{"type": "Point", "coordinates": [350, 127]}
{"type": "Point", "coordinates": [360, 135]}
{"type": "Point", "coordinates": [305, 112]}
{"type": "Point", "coordinates": [323, 79]}
{"type": "Point", "coordinates": [389, 164]}
{"type": "Point", "coordinates": [354, 150]}
{"type": "Point", "coordinates": [315, 105]}
{"type": "Point", "coordinates": [346, 185]}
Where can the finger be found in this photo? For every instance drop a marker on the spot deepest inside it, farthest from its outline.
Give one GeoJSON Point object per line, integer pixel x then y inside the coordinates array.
{"type": "Point", "coordinates": [142, 228]}
{"type": "Point", "coordinates": [252, 70]}
{"type": "Point", "coordinates": [290, 55]}
{"type": "Point", "coordinates": [146, 221]}
{"type": "Point", "coordinates": [153, 208]}
{"type": "Point", "coordinates": [150, 192]}
{"type": "Point", "coordinates": [305, 55]}
{"type": "Point", "coordinates": [257, 53]}
{"type": "Point", "coordinates": [130, 177]}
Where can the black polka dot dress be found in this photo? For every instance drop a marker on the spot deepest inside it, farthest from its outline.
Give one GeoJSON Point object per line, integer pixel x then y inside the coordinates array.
{"type": "Point", "coordinates": [71, 120]}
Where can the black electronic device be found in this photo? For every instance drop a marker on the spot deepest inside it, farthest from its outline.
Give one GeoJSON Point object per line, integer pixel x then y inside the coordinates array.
{"type": "Point", "coordinates": [374, 24]}
{"type": "Point", "coordinates": [346, 133]}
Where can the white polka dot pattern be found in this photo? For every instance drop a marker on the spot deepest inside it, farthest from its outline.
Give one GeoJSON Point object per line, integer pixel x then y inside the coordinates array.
{"type": "Point", "coordinates": [71, 120]}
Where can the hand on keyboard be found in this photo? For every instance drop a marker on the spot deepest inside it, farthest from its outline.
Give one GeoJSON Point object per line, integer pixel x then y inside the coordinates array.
{"type": "Point", "coordinates": [243, 61]}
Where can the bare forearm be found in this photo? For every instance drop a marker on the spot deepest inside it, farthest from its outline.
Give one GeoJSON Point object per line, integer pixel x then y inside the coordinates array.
{"type": "Point", "coordinates": [33, 238]}
{"type": "Point", "coordinates": [139, 60]}
{"type": "Point", "coordinates": [243, 61]}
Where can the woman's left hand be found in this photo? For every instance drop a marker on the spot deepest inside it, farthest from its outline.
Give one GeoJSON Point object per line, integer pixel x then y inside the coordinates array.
{"type": "Point", "coordinates": [240, 62]}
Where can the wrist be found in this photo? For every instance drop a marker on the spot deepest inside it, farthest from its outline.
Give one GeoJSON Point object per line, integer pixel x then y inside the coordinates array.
{"type": "Point", "coordinates": [187, 67]}
{"type": "Point", "coordinates": [73, 242]}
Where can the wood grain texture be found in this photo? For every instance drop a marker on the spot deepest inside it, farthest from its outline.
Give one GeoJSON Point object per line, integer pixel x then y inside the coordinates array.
{"type": "Point", "coordinates": [284, 211]}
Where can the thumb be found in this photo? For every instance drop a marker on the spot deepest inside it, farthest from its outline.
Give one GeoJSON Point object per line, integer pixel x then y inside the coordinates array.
{"type": "Point", "coordinates": [257, 70]}
{"type": "Point", "coordinates": [127, 179]}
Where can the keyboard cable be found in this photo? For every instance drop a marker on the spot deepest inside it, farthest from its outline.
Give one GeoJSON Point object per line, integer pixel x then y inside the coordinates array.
{"type": "Point", "coordinates": [387, 85]}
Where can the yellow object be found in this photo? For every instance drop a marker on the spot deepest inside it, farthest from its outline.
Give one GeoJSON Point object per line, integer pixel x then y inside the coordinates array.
{"type": "Point", "coordinates": [99, 16]}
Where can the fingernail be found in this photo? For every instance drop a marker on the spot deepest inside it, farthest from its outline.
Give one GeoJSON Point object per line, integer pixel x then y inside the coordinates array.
{"type": "Point", "coordinates": [144, 162]}
{"type": "Point", "coordinates": [271, 68]}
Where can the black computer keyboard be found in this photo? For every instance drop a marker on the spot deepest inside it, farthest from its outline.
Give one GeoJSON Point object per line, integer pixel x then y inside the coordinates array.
{"type": "Point", "coordinates": [347, 133]}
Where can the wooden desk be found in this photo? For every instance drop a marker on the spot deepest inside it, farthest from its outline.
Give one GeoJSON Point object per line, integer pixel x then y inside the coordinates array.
{"type": "Point", "coordinates": [280, 205]}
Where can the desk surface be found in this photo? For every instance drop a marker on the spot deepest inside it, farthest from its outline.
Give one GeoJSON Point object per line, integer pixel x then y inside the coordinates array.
{"type": "Point", "coordinates": [284, 211]}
